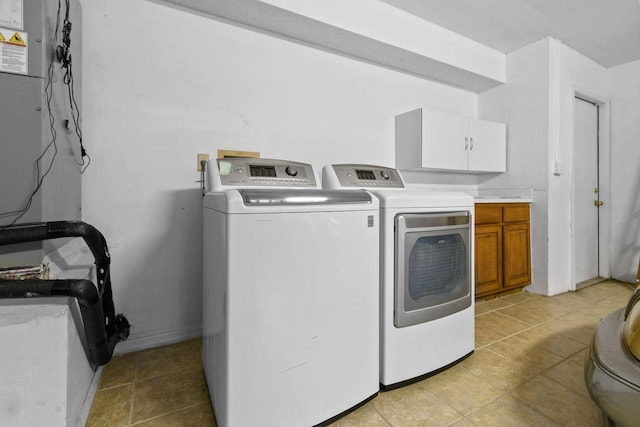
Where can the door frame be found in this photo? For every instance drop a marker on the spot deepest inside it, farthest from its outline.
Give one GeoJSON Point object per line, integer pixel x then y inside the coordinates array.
{"type": "Point", "coordinates": [604, 180]}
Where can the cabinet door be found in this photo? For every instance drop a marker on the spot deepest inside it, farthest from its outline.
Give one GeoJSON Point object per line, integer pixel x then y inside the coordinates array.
{"type": "Point", "coordinates": [443, 140]}
{"type": "Point", "coordinates": [517, 255]}
{"type": "Point", "coordinates": [488, 254]}
{"type": "Point", "coordinates": [487, 146]}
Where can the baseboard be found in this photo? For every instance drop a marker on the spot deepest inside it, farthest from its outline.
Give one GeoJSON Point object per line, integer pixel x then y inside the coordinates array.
{"type": "Point", "coordinates": [144, 343]}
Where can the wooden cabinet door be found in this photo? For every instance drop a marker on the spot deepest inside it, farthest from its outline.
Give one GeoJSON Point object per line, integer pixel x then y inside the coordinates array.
{"type": "Point", "coordinates": [517, 255]}
{"type": "Point", "coordinates": [488, 269]}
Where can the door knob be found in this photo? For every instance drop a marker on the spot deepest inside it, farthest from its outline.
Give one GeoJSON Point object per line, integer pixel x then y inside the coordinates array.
{"type": "Point", "coordinates": [598, 203]}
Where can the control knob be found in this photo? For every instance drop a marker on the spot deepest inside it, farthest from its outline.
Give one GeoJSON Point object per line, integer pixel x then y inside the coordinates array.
{"type": "Point", "coordinates": [291, 171]}
{"type": "Point", "coordinates": [384, 175]}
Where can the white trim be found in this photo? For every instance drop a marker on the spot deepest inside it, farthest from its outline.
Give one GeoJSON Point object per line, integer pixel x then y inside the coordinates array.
{"type": "Point", "coordinates": [159, 340]}
{"type": "Point", "coordinates": [604, 178]}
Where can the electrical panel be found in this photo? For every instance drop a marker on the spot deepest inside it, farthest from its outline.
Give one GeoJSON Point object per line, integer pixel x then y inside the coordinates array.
{"type": "Point", "coordinates": [41, 158]}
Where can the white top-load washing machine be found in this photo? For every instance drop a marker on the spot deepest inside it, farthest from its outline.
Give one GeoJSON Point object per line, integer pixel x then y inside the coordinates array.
{"type": "Point", "coordinates": [290, 297]}
{"type": "Point", "coordinates": [426, 272]}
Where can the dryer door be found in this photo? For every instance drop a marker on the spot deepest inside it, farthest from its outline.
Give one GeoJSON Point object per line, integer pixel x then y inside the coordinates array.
{"type": "Point", "coordinates": [432, 266]}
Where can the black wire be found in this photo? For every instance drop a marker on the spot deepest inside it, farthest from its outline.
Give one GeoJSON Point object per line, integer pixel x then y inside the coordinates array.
{"type": "Point", "coordinates": [67, 63]}
{"type": "Point", "coordinates": [52, 142]}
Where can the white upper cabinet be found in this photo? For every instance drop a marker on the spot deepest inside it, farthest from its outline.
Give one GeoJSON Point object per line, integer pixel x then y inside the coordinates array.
{"type": "Point", "coordinates": [436, 140]}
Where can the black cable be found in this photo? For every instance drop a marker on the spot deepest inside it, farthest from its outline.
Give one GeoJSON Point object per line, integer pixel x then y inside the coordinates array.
{"type": "Point", "coordinates": [64, 54]}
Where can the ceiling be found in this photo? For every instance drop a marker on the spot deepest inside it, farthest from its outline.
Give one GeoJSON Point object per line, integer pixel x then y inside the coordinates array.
{"type": "Point", "coordinates": [607, 31]}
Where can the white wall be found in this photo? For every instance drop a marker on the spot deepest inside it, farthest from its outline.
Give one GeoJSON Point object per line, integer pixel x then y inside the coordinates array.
{"type": "Point", "coordinates": [537, 104]}
{"type": "Point", "coordinates": [161, 85]}
{"type": "Point", "coordinates": [573, 73]}
{"type": "Point", "coordinates": [523, 103]}
{"type": "Point", "coordinates": [625, 170]}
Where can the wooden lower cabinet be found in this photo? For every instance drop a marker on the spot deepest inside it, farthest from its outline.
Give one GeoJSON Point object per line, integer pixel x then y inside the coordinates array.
{"type": "Point", "coordinates": [489, 264]}
{"type": "Point", "coordinates": [502, 247]}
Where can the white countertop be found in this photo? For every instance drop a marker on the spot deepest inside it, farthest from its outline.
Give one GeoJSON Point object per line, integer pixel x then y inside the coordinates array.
{"type": "Point", "coordinates": [502, 200]}
{"type": "Point", "coordinates": [483, 195]}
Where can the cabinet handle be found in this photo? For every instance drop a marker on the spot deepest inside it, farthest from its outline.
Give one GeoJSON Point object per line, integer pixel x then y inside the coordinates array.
{"type": "Point", "coordinates": [598, 203]}
{"type": "Point", "coordinates": [466, 143]}
{"type": "Point", "coordinates": [471, 146]}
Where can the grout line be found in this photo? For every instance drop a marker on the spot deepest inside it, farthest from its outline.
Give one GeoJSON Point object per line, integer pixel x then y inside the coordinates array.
{"type": "Point", "coordinates": [378, 412]}
{"type": "Point", "coordinates": [167, 413]}
{"type": "Point", "coordinates": [133, 390]}
{"type": "Point", "coordinates": [173, 371]}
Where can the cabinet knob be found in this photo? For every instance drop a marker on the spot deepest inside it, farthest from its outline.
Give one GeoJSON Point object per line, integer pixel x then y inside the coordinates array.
{"type": "Point", "coordinates": [598, 203]}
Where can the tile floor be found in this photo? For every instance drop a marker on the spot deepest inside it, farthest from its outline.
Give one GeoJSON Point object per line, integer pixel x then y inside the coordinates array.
{"type": "Point", "coordinates": [526, 371]}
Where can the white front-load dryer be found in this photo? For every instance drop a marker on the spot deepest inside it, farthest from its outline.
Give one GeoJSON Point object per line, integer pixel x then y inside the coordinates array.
{"type": "Point", "coordinates": [426, 273]}
{"type": "Point", "coordinates": [290, 300]}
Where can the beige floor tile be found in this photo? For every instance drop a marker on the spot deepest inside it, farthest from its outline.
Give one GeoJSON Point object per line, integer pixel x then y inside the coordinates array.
{"type": "Point", "coordinates": [537, 359]}
{"type": "Point", "coordinates": [567, 302]}
{"type": "Point", "coordinates": [480, 309]}
{"type": "Point", "coordinates": [579, 319]}
{"type": "Point", "coordinates": [200, 415]}
{"type": "Point", "coordinates": [601, 309]}
{"type": "Point", "coordinates": [365, 416]}
{"type": "Point", "coordinates": [502, 373]}
{"type": "Point", "coordinates": [578, 326]}
{"type": "Point", "coordinates": [578, 300]}
{"type": "Point", "coordinates": [499, 322]}
{"type": "Point", "coordinates": [462, 422]}
{"type": "Point", "coordinates": [518, 297]}
{"type": "Point", "coordinates": [412, 406]}
{"type": "Point", "coordinates": [120, 370]}
{"type": "Point", "coordinates": [550, 341]}
{"type": "Point", "coordinates": [606, 290]}
{"type": "Point", "coordinates": [111, 407]}
{"type": "Point", "coordinates": [507, 411]}
{"type": "Point", "coordinates": [579, 357]}
{"type": "Point", "coordinates": [162, 360]}
{"type": "Point", "coordinates": [559, 403]}
{"type": "Point", "coordinates": [529, 375]}
{"type": "Point", "coordinates": [529, 311]}
{"type": "Point", "coordinates": [492, 304]}
{"type": "Point", "coordinates": [486, 336]}
{"type": "Point", "coordinates": [569, 374]}
{"type": "Point", "coordinates": [168, 393]}
{"type": "Point", "coordinates": [460, 389]}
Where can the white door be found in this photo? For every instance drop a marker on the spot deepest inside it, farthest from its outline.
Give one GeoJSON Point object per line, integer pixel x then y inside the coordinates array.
{"type": "Point", "coordinates": [487, 146]}
{"type": "Point", "coordinates": [585, 190]}
{"type": "Point", "coordinates": [443, 140]}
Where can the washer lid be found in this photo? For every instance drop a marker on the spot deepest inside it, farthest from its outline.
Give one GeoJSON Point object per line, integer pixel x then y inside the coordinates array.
{"type": "Point", "coordinates": [423, 199]}
{"type": "Point", "coordinates": [264, 201]}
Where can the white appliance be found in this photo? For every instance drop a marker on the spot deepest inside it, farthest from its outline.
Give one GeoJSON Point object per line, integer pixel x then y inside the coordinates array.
{"type": "Point", "coordinates": [291, 303]}
{"type": "Point", "coordinates": [426, 273]}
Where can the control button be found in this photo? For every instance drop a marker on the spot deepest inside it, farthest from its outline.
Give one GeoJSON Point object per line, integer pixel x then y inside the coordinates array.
{"type": "Point", "coordinates": [291, 171]}
{"type": "Point", "coordinates": [384, 175]}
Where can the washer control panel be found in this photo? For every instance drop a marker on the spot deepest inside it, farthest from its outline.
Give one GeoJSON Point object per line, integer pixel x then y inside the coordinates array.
{"type": "Point", "coordinates": [241, 172]}
{"type": "Point", "coordinates": [361, 176]}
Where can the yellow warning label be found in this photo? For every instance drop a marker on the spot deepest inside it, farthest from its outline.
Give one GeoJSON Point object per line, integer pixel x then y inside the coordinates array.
{"type": "Point", "coordinates": [16, 39]}
{"type": "Point", "coordinates": [1, 37]}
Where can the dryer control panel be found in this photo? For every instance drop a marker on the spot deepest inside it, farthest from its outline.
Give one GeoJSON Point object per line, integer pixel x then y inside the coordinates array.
{"type": "Point", "coordinates": [361, 176]}
{"type": "Point", "coordinates": [241, 172]}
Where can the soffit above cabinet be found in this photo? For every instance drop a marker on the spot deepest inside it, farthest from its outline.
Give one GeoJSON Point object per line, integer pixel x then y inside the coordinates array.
{"type": "Point", "coordinates": [371, 31]}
